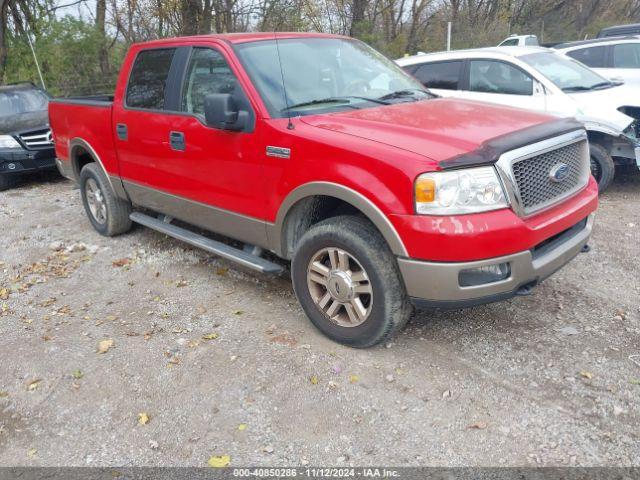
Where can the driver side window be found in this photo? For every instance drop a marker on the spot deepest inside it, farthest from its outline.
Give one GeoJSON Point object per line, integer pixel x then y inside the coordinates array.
{"type": "Point", "coordinates": [207, 73]}
{"type": "Point", "coordinates": [490, 76]}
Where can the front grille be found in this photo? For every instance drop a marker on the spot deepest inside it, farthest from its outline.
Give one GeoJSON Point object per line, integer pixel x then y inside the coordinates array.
{"type": "Point", "coordinates": [534, 176]}
{"type": "Point", "coordinates": [38, 139]}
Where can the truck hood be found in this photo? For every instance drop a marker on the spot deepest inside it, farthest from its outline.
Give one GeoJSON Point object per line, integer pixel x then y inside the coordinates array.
{"type": "Point", "coordinates": [600, 107]}
{"type": "Point", "coordinates": [441, 129]}
{"type": "Point", "coordinates": [23, 121]}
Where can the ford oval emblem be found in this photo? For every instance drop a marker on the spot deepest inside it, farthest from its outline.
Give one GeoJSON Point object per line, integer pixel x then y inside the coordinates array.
{"type": "Point", "coordinates": [559, 172]}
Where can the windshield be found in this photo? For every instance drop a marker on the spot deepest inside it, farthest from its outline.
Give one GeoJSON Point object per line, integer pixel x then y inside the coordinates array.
{"type": "Point", "coordinates": [14, 102]}
{"type": "Point", "coordinates": [324, 74]}
{"type": "Point", "coordinates": [567, 74]}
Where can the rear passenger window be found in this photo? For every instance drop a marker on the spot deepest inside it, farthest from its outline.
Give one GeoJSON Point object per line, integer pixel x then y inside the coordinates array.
{"type": "Point", "coordinates": [626, 55]}
{"type": "Point", "coordinates": [498, 77]}
{"type": "Point", "coordinates": [593, 57]}
{"type": "Point", "coordinates": [443, 75]}
{"type": "Point", "coordinates": [208, 73]}
{"type": "Point", "coordinates": [148, 80]}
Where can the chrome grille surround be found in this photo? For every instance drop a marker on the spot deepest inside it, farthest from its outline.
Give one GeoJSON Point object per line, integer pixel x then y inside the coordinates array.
{"type": "Point", "coordinates": [526, 172]}
{"type": "Point", "coordinates": [37, 139]}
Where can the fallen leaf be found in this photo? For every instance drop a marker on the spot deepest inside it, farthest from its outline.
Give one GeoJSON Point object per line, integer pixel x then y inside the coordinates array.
{"type": "Point", "coordinates": [3, 394]}
{"type": "Point", "coordinates": [587, 375]}
{"type": "Point", "coordinates": [479, 425]}
{"type": "Point", "coordinates": [33, 384]}
{"type": "Point", "coordinates": [242, 427]}
{"type": "Point", "coordinates": [105, 345]}
{"type": "Point", "coordinates": [210, 336]}
{"type": "Point", "coordinates": [353, 378]}
{"type": "Point", "coordinates": [634, 382]}
{"type": "Point", "coordinates": [31, 452]}
{"type": "Point", "coordinates": [222, 271]}
{"type": "Point", "coordinates": [143, 418]}
{"type": "Point", "coordinates": [314, 379]}
{"type": "Point", "coordinates": [285, 339]}
{"type": "Point", "coordinates": [78, 374]}
{"type": "Point", "coordinates": [237, 312]}
{"type": "Point", "coordinates": [4, 293]}
{"type": "Point", "coordinates": [219, 461]}
{"type": "Point", "coordinates": [121, 262]}
{"type": "Point", "coordinates": [181, 283]}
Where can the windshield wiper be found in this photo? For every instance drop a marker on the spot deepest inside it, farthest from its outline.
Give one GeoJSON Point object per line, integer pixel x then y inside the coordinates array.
{"type": "Point", "coordinates": [601, 85]}
{"type": "Point", "coordinates": [582, 88]}
{"type": "Point", "coordinates": [407, 92]}
{"type": "Point", "coordinates": [345, 100]}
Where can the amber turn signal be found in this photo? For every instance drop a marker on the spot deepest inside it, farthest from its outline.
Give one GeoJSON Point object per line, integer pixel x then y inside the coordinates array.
{"type": "Point", "coordinates": [425, 190]}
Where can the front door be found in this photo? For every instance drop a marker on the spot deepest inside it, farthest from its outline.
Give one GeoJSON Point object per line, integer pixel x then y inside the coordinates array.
{"type": "Point", "coordinates": [499, 82]}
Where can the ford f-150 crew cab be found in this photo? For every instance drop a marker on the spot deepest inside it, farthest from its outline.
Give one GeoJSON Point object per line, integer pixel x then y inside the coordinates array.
{"type": "Point", "coordinates": [320, 150]}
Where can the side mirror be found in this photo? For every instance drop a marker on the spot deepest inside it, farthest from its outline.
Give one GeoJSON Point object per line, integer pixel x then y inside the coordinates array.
{"type": "Point", "coordinates": [538, 89]}
{"type": "Point", "coordinates": [222, 112]}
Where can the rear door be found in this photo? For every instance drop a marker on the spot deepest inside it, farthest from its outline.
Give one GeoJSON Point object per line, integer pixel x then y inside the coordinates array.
{"type": "Point", "coordinates": [143, 122]}
{"type": "Point", "coordinates": [497, 81]}
{"type": "Point", "coordinates": [443, 78]}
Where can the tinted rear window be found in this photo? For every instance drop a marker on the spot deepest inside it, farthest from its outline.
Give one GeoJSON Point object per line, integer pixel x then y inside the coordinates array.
{"type": "Point", "coordinates": [443, 75]}
{"type": "Point", "coordinates": [593, 57]}
{"type": "Point", "coordinates": [148, 80]}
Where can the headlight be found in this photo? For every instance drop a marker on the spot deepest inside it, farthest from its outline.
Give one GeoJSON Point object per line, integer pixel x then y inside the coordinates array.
{"type": "Point", "coordinates": [457, 192]}
{"type": "Point", "coordinates": [7, 141]}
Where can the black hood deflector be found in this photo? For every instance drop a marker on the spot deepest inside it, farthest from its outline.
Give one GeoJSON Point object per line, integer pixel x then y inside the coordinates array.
{"type": "Point", "coordinates": [490, 151]}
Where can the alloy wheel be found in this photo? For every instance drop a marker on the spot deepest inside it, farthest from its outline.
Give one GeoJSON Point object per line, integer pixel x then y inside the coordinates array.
{"type": "Point", "coordinates": [340, 287]}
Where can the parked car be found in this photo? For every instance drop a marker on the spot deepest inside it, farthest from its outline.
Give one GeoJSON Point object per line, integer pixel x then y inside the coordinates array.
{"type": "Point", "coordinates": [617, 58]}
{"type": "Point", "coordinates": [381, 195]}
{"type": "Point", "coordinates": [620, 30]}
{"type": "Point", "coordinates": [25, 138]}
{"type": "Point", "coordinates": [542, 79]}
{"type": "Point", "coordinates": [520, 41]}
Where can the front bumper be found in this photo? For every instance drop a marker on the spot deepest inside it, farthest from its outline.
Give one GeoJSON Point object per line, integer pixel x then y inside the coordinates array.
{"type": "Point", "coordinates": [26, 161]}
{"type": "Point", "coordinates": [437, 284]}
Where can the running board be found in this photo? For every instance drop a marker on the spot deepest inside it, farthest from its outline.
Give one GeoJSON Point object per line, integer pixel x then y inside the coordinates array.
{"type": "Point", "coordinates": [212, 246]}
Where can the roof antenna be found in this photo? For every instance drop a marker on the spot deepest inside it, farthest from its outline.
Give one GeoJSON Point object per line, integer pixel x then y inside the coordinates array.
{"type": "Point", "coordinates": [290, 125]}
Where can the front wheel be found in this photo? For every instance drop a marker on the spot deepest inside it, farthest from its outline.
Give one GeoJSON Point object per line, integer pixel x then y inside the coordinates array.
{"type": "Point", "coordinates": [348, 283]}
{"type": "Point", "coordinates": [602, 166]}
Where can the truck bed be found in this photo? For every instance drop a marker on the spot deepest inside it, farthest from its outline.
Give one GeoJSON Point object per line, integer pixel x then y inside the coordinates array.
{"type": "Point", "coordinates": [78, 122]}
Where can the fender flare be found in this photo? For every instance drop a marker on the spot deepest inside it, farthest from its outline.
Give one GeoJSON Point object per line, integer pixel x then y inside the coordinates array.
{"type": "Point", "coordinates": [348, 195]}
{"type": "Point", "coordinates": [76, 142]}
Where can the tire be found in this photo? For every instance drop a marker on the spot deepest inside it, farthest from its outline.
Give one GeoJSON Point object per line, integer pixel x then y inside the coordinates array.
{"type": "Point", "coordinates": [602, 167]}
{"type": "Point", "coordinates": [108, 214]}
{"type": "Point", "coordinates": [7, 182]}
{"type": "Point", "coordinates": [369, 267]}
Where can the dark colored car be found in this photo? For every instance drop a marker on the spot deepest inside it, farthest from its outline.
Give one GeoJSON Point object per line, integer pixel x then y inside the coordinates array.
{"type": "Point", "coordinates": [26, 144]}
{"type": "Point", "coordinates": [620, 30]}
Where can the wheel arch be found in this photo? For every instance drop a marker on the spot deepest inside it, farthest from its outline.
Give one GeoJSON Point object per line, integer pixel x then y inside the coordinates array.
{"type": "Point", "coordinates": [82, 153]}
{"type": "Point", "coordinates": [315, 201]}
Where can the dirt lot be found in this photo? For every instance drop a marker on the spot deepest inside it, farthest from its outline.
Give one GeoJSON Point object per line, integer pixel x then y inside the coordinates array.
{"type": "Point", "coordinates": [549, 379]}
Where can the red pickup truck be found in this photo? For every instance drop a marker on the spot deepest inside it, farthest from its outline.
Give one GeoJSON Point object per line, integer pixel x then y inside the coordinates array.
{"type": "Point", "coordinates": [320, 150]}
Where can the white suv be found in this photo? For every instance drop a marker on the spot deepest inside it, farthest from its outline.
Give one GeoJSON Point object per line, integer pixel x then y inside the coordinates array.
{"type": "Point", "coordinates": [617, 58]}
{"type": "Point", "coordinates": [541, 79]}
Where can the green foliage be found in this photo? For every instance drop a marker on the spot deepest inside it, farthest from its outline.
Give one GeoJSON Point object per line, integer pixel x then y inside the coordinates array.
{"type": "Point", "coordinates": [68, 51]}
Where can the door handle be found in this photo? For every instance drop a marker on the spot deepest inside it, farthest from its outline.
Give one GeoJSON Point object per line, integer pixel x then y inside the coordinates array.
{"type": "Point", "coordinates": [122, 132]}
{"type": "Point", "coordinates": [176, 140]}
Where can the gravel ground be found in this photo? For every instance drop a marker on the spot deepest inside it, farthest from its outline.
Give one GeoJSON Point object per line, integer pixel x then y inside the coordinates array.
{"type": "Point", "coordinates": [202, 359]}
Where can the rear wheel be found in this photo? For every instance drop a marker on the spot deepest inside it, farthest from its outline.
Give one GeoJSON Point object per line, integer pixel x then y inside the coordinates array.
{"type": "Point", "coordinates": [602, 166]}
{"type": "Point", "coordinates": [108, 214]}
{"type": "Point", "coordinates": [348, 283]}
